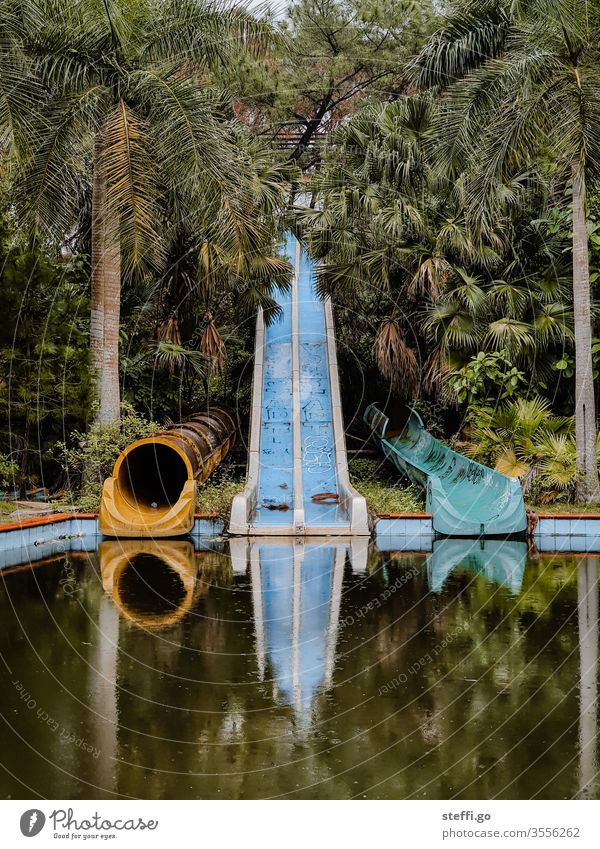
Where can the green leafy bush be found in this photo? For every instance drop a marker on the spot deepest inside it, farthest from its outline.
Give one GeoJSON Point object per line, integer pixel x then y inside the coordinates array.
{"type": "Point", "coordinates": [486, 374]}
{"type": "Point", "coordinates": [216, 494]}
{"type": "Point", "coordinates": [46, 387]}
{"type": "Point", "coordinates": [88, 458]}
{"type": "Point", "coordinates": [8, 472]}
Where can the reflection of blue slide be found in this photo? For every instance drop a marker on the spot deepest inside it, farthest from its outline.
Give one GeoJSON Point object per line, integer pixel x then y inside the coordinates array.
{"type": "Point", "coordinates": [499, 561]}
{"type": "Point", "coordinates": [297, 594]}
{"type": "Point", "coordinates": [296, 617]}
{"type": "Point", "coordinates": [297, 471]}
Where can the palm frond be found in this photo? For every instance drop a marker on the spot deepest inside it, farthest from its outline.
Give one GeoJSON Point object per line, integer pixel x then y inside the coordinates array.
{"type": "Point", "coordinates": [395, 359]}
{"type": "Point", "coordinates": [127, 160]}
{"type": "Point", "coordinates": [174, 358]}
{"type": "Point", "coordinates": [465, 41]}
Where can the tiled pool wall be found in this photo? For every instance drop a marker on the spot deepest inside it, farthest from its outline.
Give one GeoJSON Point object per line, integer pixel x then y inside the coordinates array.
{"type": "Point", "coordinates": [580, 533]}
{"type": "Point", "coordinates": [50, 535]}
{"type": "Point", "coordinates": [55, 534]}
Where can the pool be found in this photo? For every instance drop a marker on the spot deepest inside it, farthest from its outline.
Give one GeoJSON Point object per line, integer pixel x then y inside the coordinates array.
{"type": "Point", "coordinates": [277, 669]}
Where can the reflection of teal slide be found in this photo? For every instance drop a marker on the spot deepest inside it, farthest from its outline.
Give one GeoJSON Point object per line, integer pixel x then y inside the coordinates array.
{"type": "Point", "coordinates": [463, 497]}
{"type": "Point", "coordinates": [498, 560]}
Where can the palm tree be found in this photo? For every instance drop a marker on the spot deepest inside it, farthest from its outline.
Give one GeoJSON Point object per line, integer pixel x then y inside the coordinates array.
{"type": "Point", "coordinates": [125, 95]}
{"type": "Point", "coordinates": [521, 308]}
{"type": "Point", "coordinates": [524, 439]}
{"type": "Point", "coordinates": [19, 89]}
{"type": "Point", "coordinates": [523, 91]}
{"type": "Point", "coordinates": [395, 237]}
{"type": "Point", "coordinates": [388, 227]}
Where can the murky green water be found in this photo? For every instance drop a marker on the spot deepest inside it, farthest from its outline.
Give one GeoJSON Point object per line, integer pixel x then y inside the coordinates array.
{"type": "Point", "coordinates": [285, 670]}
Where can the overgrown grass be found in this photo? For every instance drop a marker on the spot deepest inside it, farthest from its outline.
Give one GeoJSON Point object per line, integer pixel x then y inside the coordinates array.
{"type": "Point", "coordinates": [6, 509]}
{"type": "Point", "coordinates": [385, 491]}
{"type": "Point", "coordinates": [217, 497]}
{"type": "Point", "coordinates": [216, 494]}
{"type": "Point", "coordinates": [379, 482]}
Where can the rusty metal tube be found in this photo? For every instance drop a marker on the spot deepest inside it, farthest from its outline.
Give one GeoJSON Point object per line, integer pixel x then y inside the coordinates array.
{"type": "Point", "coordinates": [152, 491]}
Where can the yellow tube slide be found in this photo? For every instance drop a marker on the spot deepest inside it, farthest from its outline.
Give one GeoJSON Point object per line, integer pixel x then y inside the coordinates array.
{"type": "Point", "coordinates": [152, 490]}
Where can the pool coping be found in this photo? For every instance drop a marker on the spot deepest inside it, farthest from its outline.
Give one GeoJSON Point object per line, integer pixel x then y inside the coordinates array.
{"type": "Point", "coordinates": [76, 531]}
{"type": "Point", "coordinates": [53, 518]}
{"type": "Point", "coordinates": [559, 532]}
{"type": "Point", "coordinates": [49, 518]}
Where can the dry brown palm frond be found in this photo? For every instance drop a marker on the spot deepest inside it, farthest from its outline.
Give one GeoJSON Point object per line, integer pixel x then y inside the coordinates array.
{"type": "Point", "coordinates": [395, 359]}
{"type": "Point", "coordinates": [431, 277]}
{"type": "Point", "coordinates": [212, 345]}
{"type": "Point", "coordinates": [437, 366]}
{"type": "Point", "coordinates": [509, 464]}
{"type": "Point", "coordinates": [168, 331]}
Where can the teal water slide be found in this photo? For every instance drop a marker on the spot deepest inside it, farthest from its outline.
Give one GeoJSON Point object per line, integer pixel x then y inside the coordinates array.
{"type": "Point", "coordinates": [464, 498]}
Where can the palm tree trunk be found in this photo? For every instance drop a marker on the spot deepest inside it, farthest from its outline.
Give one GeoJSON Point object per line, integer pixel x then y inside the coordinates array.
{"type": "Point", "coordinates": [588, 486]}
{"type": "Point", "coordinates": [105, 296]}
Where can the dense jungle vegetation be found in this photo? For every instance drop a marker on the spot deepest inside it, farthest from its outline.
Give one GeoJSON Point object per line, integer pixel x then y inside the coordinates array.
{"type": "Point", "coordinates": [441, 161]}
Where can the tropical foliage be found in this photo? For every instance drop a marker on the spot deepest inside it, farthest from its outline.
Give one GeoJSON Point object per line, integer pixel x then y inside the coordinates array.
{"type": "Point", "coordinates": [45, 386]}
{"type": "Point", "coordinates": [524, 439]}
{"type": "Point", "coordinates": [441, 162]}
{"type": "Point", "coordinates": [393, 222]}
{"type": "Point", "coordinates": [526, 106]}
{"type": "Point", "coordinates": [89, 457]}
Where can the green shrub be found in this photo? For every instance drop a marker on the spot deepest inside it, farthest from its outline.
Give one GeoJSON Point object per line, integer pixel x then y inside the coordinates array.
{"type": "Point", "coordinates": [523, 438]}
{"type": "Point", "coordinates": [216, 494]}
{"type": "Point", "coordinates": [217, 497]}
{"type": "Point", "coordinates": [390, 498]}
{"type": "Point", "coordinates": [8, 472]}
{"type": "Point", "coordinates": [89, 457]}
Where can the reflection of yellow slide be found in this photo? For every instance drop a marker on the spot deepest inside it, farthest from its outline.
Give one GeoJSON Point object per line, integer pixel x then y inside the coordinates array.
{"type": "Point", "coordinates": [151, 583]}
{"type": "Point", "coordinates": [152, 491]}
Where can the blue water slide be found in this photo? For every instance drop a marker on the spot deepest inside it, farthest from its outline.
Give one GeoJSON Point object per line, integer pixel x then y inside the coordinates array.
{"type": "Point", "coordinates": [275, 496]}
{"type": "Point", "coordinates": [297, 481]}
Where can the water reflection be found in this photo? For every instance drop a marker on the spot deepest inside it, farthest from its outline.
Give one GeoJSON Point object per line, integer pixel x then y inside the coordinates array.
{"type": "Point", "coordinates": [587, 605]}
{"type": "Point", "coordinates": [103, 693]}
{"type": "Point", "coordinates": [325, 670]}
{"type": "Point", "coordinates": [500, 561]}
{"type": "Point", "coordinates": [151, 582]}
{"type": "Point", "coordinates": [296, 594]}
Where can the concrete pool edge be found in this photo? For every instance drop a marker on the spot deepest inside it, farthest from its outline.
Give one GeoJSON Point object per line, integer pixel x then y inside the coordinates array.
{"type": "Point", "coordinates": [555, 532]}
{"type": "Point", "coordinates": [68, 530]}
